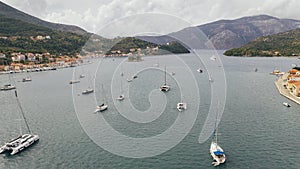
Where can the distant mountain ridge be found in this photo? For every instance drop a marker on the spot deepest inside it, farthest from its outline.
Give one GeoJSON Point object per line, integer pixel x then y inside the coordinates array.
{"type": "Point", "coordinates": [13, 13]}
{"type": "Point", "coordinates": [226, 34]}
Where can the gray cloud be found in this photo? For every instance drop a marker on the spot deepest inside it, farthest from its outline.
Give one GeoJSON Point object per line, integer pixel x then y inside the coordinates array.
{"type": "Point", "coordinates": [93, 14]}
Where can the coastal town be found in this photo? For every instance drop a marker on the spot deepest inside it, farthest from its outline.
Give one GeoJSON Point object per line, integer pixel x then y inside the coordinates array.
{"type": "Point", "coordinates": [36, 62]}
{"type": "Point", "coordinates": [288, 84]}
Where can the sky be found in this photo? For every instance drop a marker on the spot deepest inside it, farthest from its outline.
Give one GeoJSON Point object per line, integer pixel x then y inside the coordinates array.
{"type": "Point", "coordinates": [93, 14]}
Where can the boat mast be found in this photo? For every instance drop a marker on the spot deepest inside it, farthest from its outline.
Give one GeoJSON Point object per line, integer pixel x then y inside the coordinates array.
{"type": "Point", "coordinates": [22, 112]}
{"type": "Point", "coordinates": [165, 75]}
{"type": "Point", "coordinates": [104, 98]}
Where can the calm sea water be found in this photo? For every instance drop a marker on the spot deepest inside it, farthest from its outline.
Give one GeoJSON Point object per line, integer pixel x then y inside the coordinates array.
{"type": "Point", "coordinates": [256, 130]}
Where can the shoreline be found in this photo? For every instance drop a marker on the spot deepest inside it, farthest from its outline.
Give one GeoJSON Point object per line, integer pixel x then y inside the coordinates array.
{"type": "Point", "coordinates": [285, 92]}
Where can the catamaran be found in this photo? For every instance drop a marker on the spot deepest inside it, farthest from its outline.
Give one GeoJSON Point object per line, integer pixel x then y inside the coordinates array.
{"type": "Point", "coordinates": [181, 106]}
{"type": "Point", "coordinates": [165, 87]}
{"type": "Point", "coordinates": [8, 87]}
{"type": "Point", "coordinates": [21, 142]}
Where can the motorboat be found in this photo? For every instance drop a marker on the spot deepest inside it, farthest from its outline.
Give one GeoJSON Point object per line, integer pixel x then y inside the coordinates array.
{"type": "Point", "coordinates": [286, 104]}
{"type": "Point", "coordinates": [88, 91]}
{"type": "Point", "coordinates": [8, 87]}
{"type": "Point", "coordinates": [200, 70]}
{"type": "Point", "coordinates": [121, 97]}
{"type": "Point", "coordinates": [81, 76]}
{"type": "Point", "coordinates": [101, 108]}
{"type": "Point", "coordinates": [213, 58]}
{"type": "Point", "coordinates": [181, 106]}
{"type": "Point", "coordinates": [19, 144]}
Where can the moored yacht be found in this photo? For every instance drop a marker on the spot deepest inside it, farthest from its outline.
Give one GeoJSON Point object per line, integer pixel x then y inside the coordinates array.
{"type": "Point", "coordinates": [20, 143]}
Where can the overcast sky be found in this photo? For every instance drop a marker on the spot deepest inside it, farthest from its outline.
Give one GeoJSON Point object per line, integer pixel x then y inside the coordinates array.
{"type": "Point", "coordinates": [92, 14]}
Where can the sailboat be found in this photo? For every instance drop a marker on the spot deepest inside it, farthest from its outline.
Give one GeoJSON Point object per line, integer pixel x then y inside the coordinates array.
{"type": "Point", "coordinates": [8, 86]}
{"type": "Point", "coordinates": [121, 97]}
{"type": "Point", "coordinates": [216, 151]}
{"type": "Point", "coordinates": [103, 106]}
{"type": "Point", "coordinates": [165, 87]}
{"type": "Point", "coordinates": [88, 90]}
{"type": "Point", "coordinates": [21, 142]}
{"type": "Point", "coordinates": [27, 78]}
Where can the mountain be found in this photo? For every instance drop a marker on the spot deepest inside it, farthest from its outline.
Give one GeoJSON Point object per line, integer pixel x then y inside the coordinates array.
{"type": "Point", "coordinates": [226, 34]}
{"type": "Point", "coordinates": [10, 12]}
{"type": "Point", "coordinates": [281, 44]}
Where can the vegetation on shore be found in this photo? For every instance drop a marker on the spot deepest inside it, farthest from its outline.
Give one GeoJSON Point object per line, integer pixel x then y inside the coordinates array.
{"type": "Point", "coordinates": [137, 46]}
{"type": "Point", "coordinates": [281, 44]}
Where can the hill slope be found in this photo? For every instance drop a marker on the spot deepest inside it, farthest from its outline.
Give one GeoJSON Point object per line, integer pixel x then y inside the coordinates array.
{"type": "Point", "coordinates": [19, 36]}
{"type": "Point", "coordinates": [281, 44]}
{"type": "Point", "coordinates": [226, 34]}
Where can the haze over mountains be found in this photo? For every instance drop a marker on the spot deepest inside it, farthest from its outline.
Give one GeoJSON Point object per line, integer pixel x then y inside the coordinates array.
{"type": "Point", "coordinates": [226, 34]}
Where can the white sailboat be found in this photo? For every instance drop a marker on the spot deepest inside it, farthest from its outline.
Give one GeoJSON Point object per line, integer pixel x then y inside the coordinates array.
{"type": "Point", "coordinates": [27, 78]}
{"type": "Point", "coordinates": [8, 86]}
{"type": "Point", "coordinates": [165, 87]}
{"type": "Point", "coordinates": [21, 142]}
{"type": "Point", "coordinates": [89, 89]}
{"type": "Point", "coordinates": [103, 106]}
{"type": "Point", "coordinates": [121, 97]}
{"type": "Point", "coordinates": [216, 151]}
